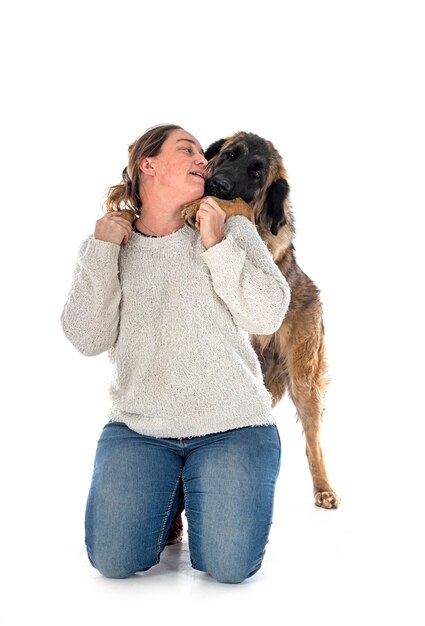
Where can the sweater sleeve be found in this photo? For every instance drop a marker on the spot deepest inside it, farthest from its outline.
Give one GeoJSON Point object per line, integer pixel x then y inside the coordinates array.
{"type": "Point", "coordinates": [90, 318]}
{"type": "Point", "coordinates": [247, 279]}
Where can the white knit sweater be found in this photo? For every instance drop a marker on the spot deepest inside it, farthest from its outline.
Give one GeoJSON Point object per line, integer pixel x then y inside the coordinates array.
{"type": "Point", "coordinates": [175, 318]}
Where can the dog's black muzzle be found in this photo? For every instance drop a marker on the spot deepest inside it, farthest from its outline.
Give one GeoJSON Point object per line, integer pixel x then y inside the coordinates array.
{"type": "Point", "coordinates": [220, 186]}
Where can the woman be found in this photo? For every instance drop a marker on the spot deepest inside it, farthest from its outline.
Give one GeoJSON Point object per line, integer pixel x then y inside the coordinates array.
{"type": "Point", "coordinates": [190, 417]}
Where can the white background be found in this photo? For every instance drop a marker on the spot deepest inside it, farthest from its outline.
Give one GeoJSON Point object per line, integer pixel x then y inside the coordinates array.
{"type": "Point", "coordinates": [339, 89]}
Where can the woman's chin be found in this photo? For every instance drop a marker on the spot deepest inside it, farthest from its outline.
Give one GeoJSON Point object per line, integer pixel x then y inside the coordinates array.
{"type": "Point", "coordinates": [194, 196]}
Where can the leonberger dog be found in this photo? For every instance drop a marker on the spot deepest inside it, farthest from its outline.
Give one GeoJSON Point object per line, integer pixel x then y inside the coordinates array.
{"type": "Point", "coordinates": [245, 173]}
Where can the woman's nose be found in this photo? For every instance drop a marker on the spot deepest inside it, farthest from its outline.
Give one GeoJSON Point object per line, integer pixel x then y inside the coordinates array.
{"type": "Point", "coordinates": [201, 160]}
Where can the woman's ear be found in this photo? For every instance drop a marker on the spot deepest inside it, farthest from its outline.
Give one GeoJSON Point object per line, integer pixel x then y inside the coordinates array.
{"type": "Point", "coordinates": [147, 166]}
{"type": "Point", "coordinates": [214, 149]}
{"type": "Point", "coordinates": [274, 205]}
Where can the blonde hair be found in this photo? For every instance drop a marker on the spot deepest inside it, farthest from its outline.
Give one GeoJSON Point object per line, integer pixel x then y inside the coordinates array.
{"type": "Point", "coordinates": [126, 195]}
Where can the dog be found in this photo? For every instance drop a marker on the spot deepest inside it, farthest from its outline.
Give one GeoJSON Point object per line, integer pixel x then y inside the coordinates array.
{"type": "Point", "coordinates": [246, 175]}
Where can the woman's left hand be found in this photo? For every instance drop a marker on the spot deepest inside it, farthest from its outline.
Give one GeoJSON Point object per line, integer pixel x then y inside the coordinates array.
{"type": "Point", "coordinates": [211, 218]}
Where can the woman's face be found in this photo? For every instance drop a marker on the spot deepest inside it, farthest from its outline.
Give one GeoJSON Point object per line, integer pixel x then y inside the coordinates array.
{"type": "Point", "coordinates": [180, 167]}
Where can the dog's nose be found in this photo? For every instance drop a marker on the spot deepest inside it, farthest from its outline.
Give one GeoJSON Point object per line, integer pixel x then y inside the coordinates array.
{"type": "Point", "coordinates": [220, 184]}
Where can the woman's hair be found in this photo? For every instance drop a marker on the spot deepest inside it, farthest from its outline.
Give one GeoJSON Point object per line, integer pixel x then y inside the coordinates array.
{"type": "Point", "coordinates": [125, 195]}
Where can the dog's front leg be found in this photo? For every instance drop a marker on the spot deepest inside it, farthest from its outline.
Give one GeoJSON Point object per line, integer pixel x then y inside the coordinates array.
{"type": "Point", "coordinates": [230, 207]}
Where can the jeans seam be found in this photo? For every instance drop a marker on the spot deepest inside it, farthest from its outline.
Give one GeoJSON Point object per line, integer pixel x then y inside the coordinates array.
{"type": "Point", "coordinates": [167, 515]}
{"type": "Point", "coordinates": [187, 513]}
{"type": "Point", "coordinates": [280, 455]}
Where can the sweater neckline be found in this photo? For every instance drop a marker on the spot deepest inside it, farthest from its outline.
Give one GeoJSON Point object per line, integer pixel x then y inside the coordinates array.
{"type": "Point", "coordinates": [147, 241]}
{"type": "Point", "coordinates": [139, 232]}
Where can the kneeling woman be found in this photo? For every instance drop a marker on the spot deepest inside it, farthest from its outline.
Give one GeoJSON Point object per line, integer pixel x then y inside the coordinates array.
{"type": "Point", "coordinates": [190, 422]}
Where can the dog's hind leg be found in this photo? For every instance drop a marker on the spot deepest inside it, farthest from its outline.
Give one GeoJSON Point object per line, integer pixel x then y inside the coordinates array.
{"type": "Point", "coordinates": [307, 383]}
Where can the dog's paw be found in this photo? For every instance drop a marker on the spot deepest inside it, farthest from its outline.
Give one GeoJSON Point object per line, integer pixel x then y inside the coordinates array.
{"type": "Point", "coordinates": [189, 213]}
{"type": "Point", "coordinates": [326, 499]}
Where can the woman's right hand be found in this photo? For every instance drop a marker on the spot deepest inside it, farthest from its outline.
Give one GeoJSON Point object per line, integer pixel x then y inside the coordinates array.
{"type": "Point", "coordinates": [113, 228]}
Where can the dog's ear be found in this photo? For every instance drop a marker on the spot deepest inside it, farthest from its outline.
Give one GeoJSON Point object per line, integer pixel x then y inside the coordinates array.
{"type": "Point", "coordinates": [214, 149]}
{"type": "Point", "coordinates": [274, 204]}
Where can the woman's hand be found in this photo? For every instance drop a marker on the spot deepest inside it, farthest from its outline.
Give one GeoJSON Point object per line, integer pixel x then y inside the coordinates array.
{"type": "Point", "coordinates": [113, 228]}
{"type": "Point", "coordinates": [211, 218]}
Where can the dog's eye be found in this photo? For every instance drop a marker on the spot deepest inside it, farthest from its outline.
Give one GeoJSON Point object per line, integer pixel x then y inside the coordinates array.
{"type": "Point", "coordinates": [254, 174]}
{"type": "Point", "coordinates": [230, 155]}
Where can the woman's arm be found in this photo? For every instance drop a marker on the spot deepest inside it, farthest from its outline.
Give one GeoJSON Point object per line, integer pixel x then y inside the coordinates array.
{"type": "Point", "coordinates": [90, 317]}
{"type": "Point", "coordinates": [246, 277]}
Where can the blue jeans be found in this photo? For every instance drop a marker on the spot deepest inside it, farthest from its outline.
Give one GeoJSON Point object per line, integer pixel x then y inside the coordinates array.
{"type": "Point", "coordinates": [227, 481]}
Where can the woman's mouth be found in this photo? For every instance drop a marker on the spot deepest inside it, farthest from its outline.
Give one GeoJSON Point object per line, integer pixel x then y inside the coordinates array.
{"type": "Point", "coordinates": [199, 174]}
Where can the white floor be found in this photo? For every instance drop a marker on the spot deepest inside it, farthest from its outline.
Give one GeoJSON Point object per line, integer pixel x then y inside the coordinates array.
{"type": "Point", "coordinates": [356, 565]}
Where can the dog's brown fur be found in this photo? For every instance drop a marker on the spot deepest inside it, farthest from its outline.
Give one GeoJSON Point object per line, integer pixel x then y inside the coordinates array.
{"type": "Point", "coordinates": [293, 358]}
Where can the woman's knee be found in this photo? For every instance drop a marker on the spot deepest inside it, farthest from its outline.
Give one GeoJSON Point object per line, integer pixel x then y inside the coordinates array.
{"type": "Point", "coordinates": [114, 570]}
{"type": "Point", "coordinates": [231, 576]}
{"type": "Point", "coordinates": [113, 565]}
{"type": "Point", "coordinates": [230, 572]}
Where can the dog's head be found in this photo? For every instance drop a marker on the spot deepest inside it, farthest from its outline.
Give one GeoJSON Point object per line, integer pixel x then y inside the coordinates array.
{"type": "Point", "coordinates": [249, 167]}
